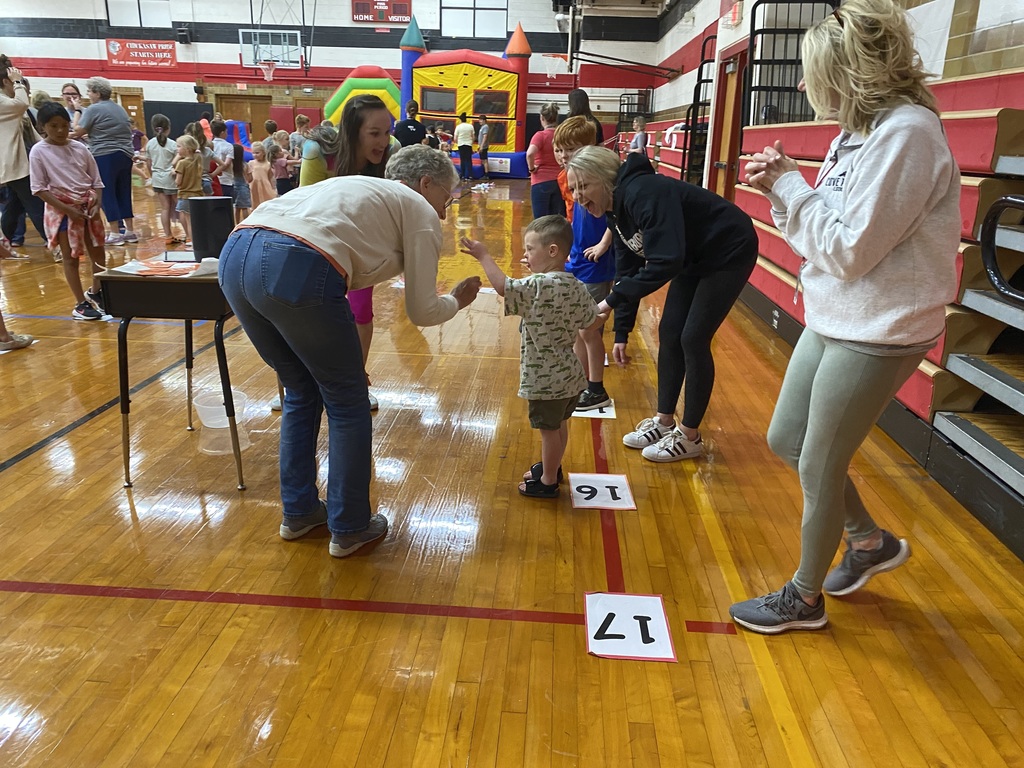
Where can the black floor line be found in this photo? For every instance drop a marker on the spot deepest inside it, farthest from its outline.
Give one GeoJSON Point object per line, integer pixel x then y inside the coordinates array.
{"type": "Point", "coordinates": [51, 438]}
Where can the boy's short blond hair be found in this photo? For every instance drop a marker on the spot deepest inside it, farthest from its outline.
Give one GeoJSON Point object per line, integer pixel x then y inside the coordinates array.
{"type": "Point", "coordinates": [575, 132]}
{"type": "Point", "coordinates": [553, 229]}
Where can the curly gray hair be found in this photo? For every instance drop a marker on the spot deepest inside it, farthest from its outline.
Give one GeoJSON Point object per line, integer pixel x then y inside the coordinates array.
{"type": "Point", "coordinates": [99, 85]}
{"type": "Point", "coordinates": [412, 163]}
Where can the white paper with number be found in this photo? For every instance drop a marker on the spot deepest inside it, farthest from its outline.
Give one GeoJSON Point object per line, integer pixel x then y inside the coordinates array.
{"type": "Point", "coordinates": [604, 412]}
{"type": "Point", "coordinates": [600, 491]}
{"type": "Point", "coordinates": [628, 627]}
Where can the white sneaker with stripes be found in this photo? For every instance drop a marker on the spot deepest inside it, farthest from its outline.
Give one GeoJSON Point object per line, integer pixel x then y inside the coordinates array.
{"type": "Point", "coordinates": [674, 447]}
{"type": "Point", "coordinates": [647, 432]}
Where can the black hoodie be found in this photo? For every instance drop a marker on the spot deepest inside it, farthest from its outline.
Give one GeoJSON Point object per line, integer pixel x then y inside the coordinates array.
{"type": "Point", "coordinates": [665, 228]}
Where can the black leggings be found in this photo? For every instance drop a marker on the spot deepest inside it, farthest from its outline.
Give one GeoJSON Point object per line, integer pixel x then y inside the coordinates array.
{"type": "Point", "coordinates": [21, 200]}
{"type": "Point", "coordinates": [694, 309]}
{"type": "Point", "coordinates": [466, 161]}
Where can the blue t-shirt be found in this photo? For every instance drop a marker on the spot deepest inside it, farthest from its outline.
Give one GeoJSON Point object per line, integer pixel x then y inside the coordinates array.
{"type": "Point", "coordinates": [587, 231]}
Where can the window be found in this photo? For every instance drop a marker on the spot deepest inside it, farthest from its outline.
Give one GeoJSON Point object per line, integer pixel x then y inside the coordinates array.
{"type": "Point", "coordinates": [490, 103]}
{"type": "Point", "coordinates": [474, 18]}
{"type": "Point", "coordinates": [282, 46]}
{"type": "Point", "coordinates": [437, 100]}
{"type": "Point", "coordinates": [497, 132]}
{"type": "Point", "coordinates": [139, 13]}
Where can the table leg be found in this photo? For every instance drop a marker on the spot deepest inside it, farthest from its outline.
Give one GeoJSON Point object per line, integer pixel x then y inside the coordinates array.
{"type": "Point", "coordinates": [280, 392]}
{"type": "Point", "coordinates": [188, 372]}
{"type": "Point", "coordinates": [229, 401]}
{"type": "Point", "coordinates": [122, 373]}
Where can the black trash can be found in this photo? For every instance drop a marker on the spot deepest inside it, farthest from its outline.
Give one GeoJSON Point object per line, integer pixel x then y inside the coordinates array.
{"type": "Point", "coordinates": [213, 218]}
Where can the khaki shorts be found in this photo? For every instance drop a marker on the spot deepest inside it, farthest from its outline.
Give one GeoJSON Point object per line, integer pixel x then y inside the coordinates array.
{"type": "Point", "coordinates": [599, 291]}
{"type": "Point", "coordinates": [549, 414]}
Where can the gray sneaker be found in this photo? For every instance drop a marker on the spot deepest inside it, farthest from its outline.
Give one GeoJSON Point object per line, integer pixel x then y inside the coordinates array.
{"type": "Point", "coordinates": [779, 612]}
{"type": "Point", "coordinates": [858, 566]}
{"type": "Point", "coordinates": [344, 544]}
{"type": "Point", "coordinates": [292, 527]}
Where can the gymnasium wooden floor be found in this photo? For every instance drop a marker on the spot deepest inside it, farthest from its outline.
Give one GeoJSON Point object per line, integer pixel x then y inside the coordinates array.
{"type": "Point", "coordinates": [170, 625]}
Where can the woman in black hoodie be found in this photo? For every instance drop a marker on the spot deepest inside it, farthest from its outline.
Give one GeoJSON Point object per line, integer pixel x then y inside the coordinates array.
{"type": "Point", "coordinates": [668, 231]}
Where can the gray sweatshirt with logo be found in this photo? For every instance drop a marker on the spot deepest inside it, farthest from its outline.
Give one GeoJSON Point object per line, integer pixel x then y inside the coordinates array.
{"type": "Point", "coordinates": [879, 231]}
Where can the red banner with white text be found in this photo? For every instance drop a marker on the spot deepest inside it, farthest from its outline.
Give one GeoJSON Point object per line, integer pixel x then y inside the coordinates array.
{"type": "Point", "coordinates": [142, 53]}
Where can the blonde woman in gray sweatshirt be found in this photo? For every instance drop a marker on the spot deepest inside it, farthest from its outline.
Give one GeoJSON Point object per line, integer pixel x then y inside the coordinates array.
{"type": "Point", "coordinates": [878, 233]}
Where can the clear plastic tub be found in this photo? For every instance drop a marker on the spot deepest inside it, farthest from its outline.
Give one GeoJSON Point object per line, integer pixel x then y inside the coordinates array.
{"type": "Point", "coordinates": [211, 410]}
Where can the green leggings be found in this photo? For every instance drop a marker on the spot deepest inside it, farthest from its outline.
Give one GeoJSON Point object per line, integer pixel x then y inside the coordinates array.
{"type": "Point", "coordinates": [831, 397]}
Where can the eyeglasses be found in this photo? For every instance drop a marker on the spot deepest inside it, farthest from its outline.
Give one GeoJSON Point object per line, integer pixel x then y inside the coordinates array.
{"type": "Point", "coordinates": [448, 203]}
{"type": "Point", "coordinates": [838, 18]}
{"type": "Point", "coordinates": [69, 93]}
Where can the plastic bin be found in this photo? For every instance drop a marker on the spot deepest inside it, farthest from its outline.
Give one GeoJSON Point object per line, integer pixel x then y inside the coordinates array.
{"type": "Point", "coordinates": [211, 410]}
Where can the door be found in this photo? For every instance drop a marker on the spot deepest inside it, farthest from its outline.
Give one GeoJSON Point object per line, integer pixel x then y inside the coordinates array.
{"type": "Point", "coordinates": [132, 104]}
{"type": "Point", "coordinates": [727, 126]}
{"type": "Point", "coordinates": [311, 108]}
{"type": "Point", "coordinates": [254, 110]}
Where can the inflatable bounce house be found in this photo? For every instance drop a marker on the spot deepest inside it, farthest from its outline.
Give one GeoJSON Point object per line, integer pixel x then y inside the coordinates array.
{"type": "Point", "coordinates": [448, 83]}
{"type": "Point", "coordinates": [238, 133]}
{"type": "Point", "coordinates": [366, 79]}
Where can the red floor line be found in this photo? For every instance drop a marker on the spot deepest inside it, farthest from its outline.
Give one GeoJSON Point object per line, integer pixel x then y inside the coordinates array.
{"type": "Point", "coordinates": [609, 530]}
{"type": "Point", "coordinates": [291, 601]}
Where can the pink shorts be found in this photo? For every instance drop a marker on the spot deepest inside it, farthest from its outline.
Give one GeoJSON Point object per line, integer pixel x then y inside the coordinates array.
{"type": "Point", "coordinates": [361, 301]}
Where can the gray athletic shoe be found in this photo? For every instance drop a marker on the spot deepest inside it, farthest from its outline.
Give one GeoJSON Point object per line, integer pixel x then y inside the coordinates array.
{"type": "Point", "coordinates": [344, 544]}
{"type": "Point", "coordinates": [292, 527]}
{"type": "Point", "coordinates": [779, 612]}
{"type": "Point", "coordinates": [858, 566]}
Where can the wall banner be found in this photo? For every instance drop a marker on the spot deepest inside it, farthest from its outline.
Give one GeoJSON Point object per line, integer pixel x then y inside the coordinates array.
{"type": "Point", "coordinates": [142, 53]}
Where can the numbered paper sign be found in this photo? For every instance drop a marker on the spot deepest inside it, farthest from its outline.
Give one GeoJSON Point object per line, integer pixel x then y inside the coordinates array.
{"type": "Point", "coordinates": [600, 491]}
{"type": "Point", "coordinates": [604, 412]}
{"type": "Point", "coordinates": [628, 627]}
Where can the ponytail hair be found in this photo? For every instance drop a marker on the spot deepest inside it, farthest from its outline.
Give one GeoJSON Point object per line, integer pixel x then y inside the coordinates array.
{"type": "Point", "coordinates": [161, 129]}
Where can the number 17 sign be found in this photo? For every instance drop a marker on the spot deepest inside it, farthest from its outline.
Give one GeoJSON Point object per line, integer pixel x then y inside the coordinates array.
{"type": "Point", "coordinates": [600, 491]}
{"type": "Point", "coordinates": [628, 627]}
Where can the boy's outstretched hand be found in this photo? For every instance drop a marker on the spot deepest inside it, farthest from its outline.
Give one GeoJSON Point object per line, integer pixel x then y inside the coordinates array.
{"type": "Point", "coordinates": [474, 248]}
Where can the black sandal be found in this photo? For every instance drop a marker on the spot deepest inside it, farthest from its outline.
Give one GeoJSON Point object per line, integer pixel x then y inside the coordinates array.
{"type": "Point", "coordinates": [537, 472]}
{"type": "Point", "coordinates": [539, 490]}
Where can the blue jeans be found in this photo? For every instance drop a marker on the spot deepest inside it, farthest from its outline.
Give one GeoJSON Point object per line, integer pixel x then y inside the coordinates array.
{"type": "Point", "coordinates": [546, 198]}
{"type": "Point", "coordinates": [292, 304]}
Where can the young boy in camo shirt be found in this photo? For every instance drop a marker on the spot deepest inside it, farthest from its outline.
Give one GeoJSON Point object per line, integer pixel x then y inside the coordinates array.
{"type": "Point", "coordinates": [554, 306]}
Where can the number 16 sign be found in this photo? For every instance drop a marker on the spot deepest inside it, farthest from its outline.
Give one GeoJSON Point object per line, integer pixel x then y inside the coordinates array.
{"type": "Point", "coordinates": [600, 491]}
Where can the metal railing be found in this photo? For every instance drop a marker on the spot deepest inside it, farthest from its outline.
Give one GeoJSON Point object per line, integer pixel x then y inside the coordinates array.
{"type": "Point", "coordinates": [989, 253]}
{"type": "Point", "coordinates": [774, 69]}
{"type": "Point", "coordinates": [695, 139]}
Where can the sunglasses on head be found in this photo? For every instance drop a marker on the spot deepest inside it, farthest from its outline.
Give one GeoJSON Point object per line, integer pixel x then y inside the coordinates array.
{"type": "Point", "coordinates": [838, 18]}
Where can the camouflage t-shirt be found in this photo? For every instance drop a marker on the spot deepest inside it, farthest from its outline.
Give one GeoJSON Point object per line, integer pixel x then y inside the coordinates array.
{"type": "Point", "coordinates": [554, 306]}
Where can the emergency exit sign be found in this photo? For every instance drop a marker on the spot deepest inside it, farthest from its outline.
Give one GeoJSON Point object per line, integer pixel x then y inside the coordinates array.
{"type": "Point", "coordinates": [382, 11]}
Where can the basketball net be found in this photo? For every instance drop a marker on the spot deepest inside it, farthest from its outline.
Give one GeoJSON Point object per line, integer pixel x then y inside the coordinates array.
{"type": "Point", "coordinates": [556, 64]}
{"type": "Point", "coordinates": [267, 67]}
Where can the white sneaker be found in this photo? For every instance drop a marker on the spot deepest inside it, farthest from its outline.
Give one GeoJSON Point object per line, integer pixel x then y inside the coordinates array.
{"type": "Point", "coordinates": [674, 447]}
{"type": "Point", "coordinates": [374, 405]}
{"type": "Point", "coordinates": [647, 432]}
{"type": "Point", "coordinates": [275, 404]}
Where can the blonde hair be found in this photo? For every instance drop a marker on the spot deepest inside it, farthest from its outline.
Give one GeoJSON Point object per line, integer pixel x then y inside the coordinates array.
{"type": "Point", "coordinates": [188, 142]}
{"type": "Point", "coordinates": [575, 132]}
{"type": "Point", "coordinates": [553, 229]}
{"type": "Point", "coordinates": [597, 165]}
{"type": "Point", "coordinates": [863, 56]}
{"type": "Point", "coordinates": [641, 122]}
{"type": "Point", "coordinates": [281, 136]}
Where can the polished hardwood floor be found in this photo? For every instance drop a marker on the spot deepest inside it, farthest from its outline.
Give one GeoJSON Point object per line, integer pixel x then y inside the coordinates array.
{"type": "Point", "coordinates": [169, 625]}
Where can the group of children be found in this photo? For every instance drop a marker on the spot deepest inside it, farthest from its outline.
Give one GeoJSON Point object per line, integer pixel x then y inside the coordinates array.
{"type": "Point", "coordinates": [562, 354]}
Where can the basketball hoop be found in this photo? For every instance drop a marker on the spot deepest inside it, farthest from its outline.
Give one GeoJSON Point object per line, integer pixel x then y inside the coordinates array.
{"type": "Point", "coordinates": [555, 64]}
{"type": "Point", "coordinates": [267, 67]}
